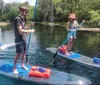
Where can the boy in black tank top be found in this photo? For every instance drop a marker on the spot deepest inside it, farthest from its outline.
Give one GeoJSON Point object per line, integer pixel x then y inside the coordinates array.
{"type": "Point", "coordinates": [19, 31]}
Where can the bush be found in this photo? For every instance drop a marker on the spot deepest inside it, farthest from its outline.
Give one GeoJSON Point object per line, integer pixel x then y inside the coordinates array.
{"type": "Point", "coordinates": [94, 18]}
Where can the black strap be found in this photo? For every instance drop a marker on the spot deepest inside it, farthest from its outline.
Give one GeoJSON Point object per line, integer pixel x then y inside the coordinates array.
{"type": "Point", "coordinates": [22, 19]}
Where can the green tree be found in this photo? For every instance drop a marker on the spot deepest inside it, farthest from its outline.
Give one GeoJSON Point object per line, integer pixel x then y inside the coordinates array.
{"type": "Point", "coordinates": [45, 8]}
{"type": "Point", "coordinates": [1, 6]}
{"type": "Point", "coordinates": [12, 14]}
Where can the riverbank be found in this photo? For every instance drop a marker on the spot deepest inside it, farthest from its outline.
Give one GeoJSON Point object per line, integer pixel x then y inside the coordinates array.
{"type": "Point", "coordinates": [56, 24]}
{"type": "Point", "coordinates": [90, 29]}
{"type": "Point", "coordinates": [4, 23]}
{"type": "Point", "coordinates": [62, 25]}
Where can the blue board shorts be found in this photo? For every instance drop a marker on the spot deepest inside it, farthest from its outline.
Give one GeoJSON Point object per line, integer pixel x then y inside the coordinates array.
{"type": "Point", "coordinates": [72, 33]}
{"type": "Point", "coordinates": [21, 47]}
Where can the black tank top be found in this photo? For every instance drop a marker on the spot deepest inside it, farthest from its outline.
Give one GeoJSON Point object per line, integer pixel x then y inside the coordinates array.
{"type": "Point", "coordinates": [19, 21]}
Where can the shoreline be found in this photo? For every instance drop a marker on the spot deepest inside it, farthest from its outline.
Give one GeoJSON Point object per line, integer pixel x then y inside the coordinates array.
{"type": "Point", "coordinates": [56, 24]}
{"type": "Point", "coordinates": [5, 23]}
{"type": "Point", "coordinates": [90, 29]}
{"type": "Point", "coordinates": [80, 29]}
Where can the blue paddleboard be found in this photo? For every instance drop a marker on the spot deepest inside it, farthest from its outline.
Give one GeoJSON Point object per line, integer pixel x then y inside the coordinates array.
{"type": "Point", "coordinates": [56, 77]}
{"type": "Point", "coordinates": [84, 60]}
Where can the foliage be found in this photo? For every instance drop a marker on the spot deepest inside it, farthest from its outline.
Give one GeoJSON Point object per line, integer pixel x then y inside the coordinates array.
{"type": "Point", "coordinates": [30, 14]}
{"type": "Point", "coordinates": [94, 18]}
{"type": "Point", "coordinates": [56, 11]}
{"type": "Point", "coordinates": [12, 14]}
{"type": "Point", "coordinates": [62, 8]}
{"type": "Point", "coordinates": [45, 10]}
{"type": "Point", "coordinates": [10, 11]}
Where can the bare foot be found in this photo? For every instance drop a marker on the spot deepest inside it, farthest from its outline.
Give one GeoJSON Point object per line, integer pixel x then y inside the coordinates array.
{"type": "Point", "coordinates": [15, 71]}
{"type": "Point", "coordinates": [24, 67]}
{"type": "Point", "coordinates": [69, 53]}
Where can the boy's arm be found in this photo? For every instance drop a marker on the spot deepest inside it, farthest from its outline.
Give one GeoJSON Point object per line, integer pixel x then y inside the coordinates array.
{"type": "Point", "coordinates": [24, 30]}
{"type": "Point", "coordinates": [28, 26]}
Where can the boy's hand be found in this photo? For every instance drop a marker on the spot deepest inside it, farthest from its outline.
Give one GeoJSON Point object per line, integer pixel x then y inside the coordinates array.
{"type": "Point", "coordinates": [83, 21]}
{"type": "Point", "coordinates": [33, 30]}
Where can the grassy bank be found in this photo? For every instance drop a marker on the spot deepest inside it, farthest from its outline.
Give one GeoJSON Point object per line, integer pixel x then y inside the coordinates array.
{"type": "Point", "coordinates": [60, 24]}
{"type": "Point", "coordinates": [84, 28]}
{"type": "Point", "coordinates": [4, 23]}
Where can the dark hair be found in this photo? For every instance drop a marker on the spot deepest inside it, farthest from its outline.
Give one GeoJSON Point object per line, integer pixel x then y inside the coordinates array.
{"type": "Point", "coordinates": [23, 8]}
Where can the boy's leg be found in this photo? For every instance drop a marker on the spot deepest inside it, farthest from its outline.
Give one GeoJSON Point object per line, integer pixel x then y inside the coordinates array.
{"type": "Point", "coordinates": [24, 56]}
{"type": "Point", "coordinates": [15, 61]}
{"type": "Point", "coordinates": [23, 59]}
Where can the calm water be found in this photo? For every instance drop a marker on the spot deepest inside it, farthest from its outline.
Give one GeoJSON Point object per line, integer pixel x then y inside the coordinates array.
{"type": "Point", "coordinates": [88, 43]}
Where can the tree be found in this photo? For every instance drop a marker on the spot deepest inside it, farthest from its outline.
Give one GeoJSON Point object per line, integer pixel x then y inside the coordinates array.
{"type": "Point", "coordinates": [1, 6]}
{"type": "Point", "coordinates": [45, 8]}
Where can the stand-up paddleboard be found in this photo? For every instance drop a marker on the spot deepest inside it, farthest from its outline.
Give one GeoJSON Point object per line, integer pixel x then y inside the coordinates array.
{"type": "Point", "coordinates": [84, 60]}
{"type": "Point", "coordinates": [55, 78]}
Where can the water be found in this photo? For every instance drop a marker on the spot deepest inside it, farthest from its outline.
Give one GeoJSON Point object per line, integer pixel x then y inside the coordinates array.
{"type": "Point", "coordinates": [88, 43]}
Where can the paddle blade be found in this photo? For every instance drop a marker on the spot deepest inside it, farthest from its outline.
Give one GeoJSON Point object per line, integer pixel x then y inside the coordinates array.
{"type": "Point", "coordinates": [55, 54]}
{"type": "Point", "coordinates": [5, 46]}
{"type": "Point", "coordinates": [55, 51]}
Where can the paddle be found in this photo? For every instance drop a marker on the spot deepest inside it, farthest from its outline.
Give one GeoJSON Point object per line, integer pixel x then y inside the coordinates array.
{"type": "Point", "coordinates": [30, 33]}
{"type": "Point", "coordinates": [54, 56]}
{"type": "Point", "coordinates": [5, 46]}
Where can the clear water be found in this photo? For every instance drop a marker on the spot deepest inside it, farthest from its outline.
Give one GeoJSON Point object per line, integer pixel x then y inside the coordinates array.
{"type": "Point", "coordinates": [87, 43]}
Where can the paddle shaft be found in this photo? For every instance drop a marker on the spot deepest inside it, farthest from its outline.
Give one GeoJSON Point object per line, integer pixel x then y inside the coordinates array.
{"type": "Point", "coordinates": [30, 33]}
